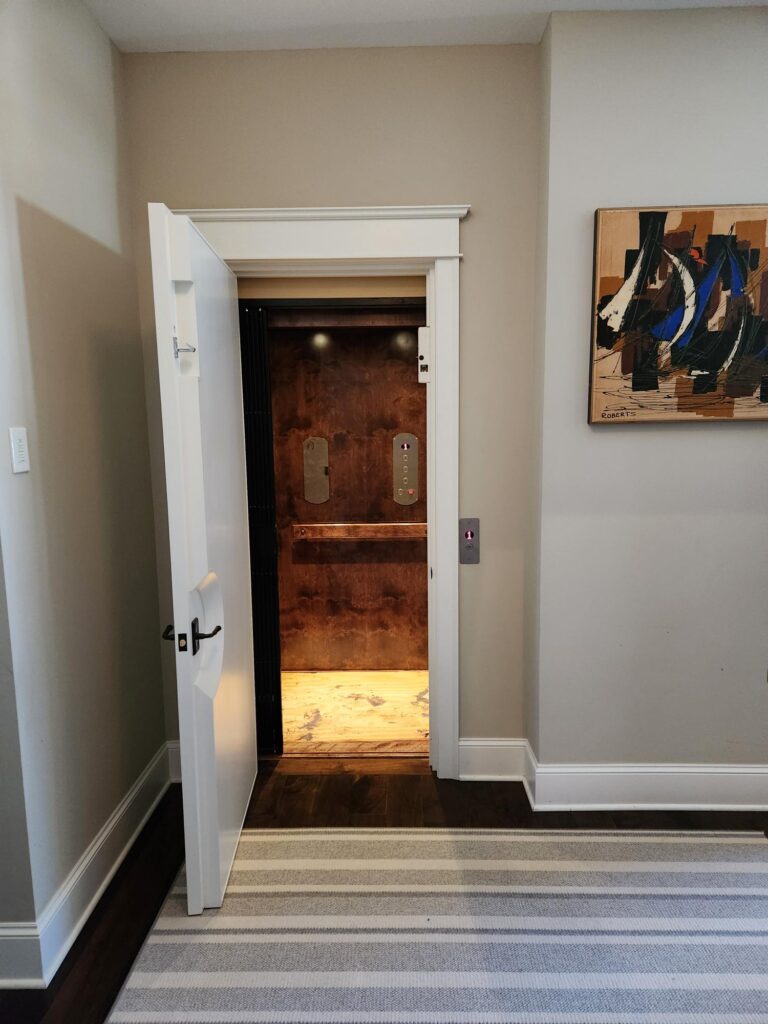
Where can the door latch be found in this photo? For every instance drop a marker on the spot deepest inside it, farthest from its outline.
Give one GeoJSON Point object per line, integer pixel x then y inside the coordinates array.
{"type": "Point", "coordinates": [168, 634]}
{"type": "Point", "coordinates": [425, 345]}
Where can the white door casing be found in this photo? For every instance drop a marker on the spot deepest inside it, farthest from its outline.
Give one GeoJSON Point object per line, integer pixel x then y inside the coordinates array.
{"type": "Point", "coordinates": [198, 351]}
{"type": "Point", "coordinates": [386, 240]}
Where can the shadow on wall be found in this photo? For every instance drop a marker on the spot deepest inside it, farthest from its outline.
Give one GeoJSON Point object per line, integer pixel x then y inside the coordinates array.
{"type": "Point", "coordinates": [91, 459]}
{"type": "Point", "coordinates": [16, 898]}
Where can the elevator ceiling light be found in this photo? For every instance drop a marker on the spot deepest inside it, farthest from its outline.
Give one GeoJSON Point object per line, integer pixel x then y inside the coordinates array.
{"type": "Point", "coordinates": [320, 340]}
{"type": "Point", "coordinates": [404, 341]}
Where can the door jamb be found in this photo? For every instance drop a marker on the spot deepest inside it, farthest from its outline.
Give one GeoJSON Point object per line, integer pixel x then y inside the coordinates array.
{"type": "Point", "coordinates": [377, 241]}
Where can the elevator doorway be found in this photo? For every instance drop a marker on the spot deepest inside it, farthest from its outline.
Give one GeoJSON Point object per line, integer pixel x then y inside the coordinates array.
{"type": "Point", "coordinates": [336, 450]}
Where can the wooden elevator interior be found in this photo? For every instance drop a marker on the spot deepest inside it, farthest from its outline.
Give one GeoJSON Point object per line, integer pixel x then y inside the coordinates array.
{"type": "Point", "coordinates": [347, 565]}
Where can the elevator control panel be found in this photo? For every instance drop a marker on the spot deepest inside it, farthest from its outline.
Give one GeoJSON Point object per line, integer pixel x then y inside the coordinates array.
{"type": "Point", "coordinates": [469, 541]}
{"type": "Point", "coordinates": [405, 469]}
{"type": "Point", "coordinates": [317, 481]}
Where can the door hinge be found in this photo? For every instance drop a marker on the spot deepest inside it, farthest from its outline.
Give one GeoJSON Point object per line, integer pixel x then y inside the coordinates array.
{"type": "Point", "coordinates": [425, 353]}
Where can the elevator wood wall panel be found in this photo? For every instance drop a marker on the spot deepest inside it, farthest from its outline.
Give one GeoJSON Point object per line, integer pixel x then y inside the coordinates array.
{"type": "Point", "coordinates": [348, 604]}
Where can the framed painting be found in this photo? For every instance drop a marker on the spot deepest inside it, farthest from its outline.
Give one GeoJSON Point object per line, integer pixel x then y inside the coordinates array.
{"type": "Point", "coordinates": [680, 315]}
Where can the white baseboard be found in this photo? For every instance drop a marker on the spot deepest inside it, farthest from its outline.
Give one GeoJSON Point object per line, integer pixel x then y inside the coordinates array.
{"type": "Point", "coordinates": [33, 951]}
{"type": "Point", "coordinates": [174, 760]}
{"type": "Point", "coordinates": [658, 787]}
{"type": "Point", "coordinates": [20, 961]}
{"type": "Point", "coordinates": [571, 787]}
{"type": "Point", "coordinates": [529, 775]}
{"type": "Point", "coordinates": [489, 760]}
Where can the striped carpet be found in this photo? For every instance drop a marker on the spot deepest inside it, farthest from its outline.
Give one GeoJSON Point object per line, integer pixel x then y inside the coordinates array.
{"type": "Point", "coordinates": [399, 926]}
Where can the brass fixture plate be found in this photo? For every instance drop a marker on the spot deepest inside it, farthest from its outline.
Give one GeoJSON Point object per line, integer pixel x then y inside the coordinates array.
{"type": "Point", "coordinates": [405, 469]}
{"type": "Point", "coordinates": [317, 481]}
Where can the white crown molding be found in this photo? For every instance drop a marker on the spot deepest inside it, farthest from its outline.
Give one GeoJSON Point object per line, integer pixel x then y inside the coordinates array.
{"type": "Point", "coordinates": [314, 213]}
{"type": "Point", "coordinates": [31, 952]}
{"type": "Point", "coordinates": [330, 268]}
{"type": "Point", "coordinates": [370, 237]}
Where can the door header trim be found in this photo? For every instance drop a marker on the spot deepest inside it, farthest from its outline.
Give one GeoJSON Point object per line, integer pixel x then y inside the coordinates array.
{"type": "Point", "coordinates": [454, 212]}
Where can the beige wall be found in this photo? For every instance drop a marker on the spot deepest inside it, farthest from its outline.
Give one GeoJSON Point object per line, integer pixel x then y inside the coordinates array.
{"type": "Point", "coordinates": [391, 126]}
{"type": "Point", "coordinates": [16, 897]}
{"type": "Point", "coordinates": [531, 591]}
{"type": "Point", "coordinates": [654, 564]}
{"type": "Point", "coordinates": [77, 536]}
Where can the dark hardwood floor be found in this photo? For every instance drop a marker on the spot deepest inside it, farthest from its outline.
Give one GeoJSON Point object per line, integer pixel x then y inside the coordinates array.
{"type": "Point", "coordinates": [291, 793]}
{"type": "Point", "coordinates": [402, 792]}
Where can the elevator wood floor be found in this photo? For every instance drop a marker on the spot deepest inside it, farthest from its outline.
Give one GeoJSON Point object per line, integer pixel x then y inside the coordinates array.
{"type": "Point", "coordinates": [336, 713]}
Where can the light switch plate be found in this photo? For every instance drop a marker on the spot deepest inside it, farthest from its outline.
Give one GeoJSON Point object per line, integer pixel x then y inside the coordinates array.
{"type": "Point", "coordinates": [469, 541]}
{"type": "Point", "coordinates": [19, 449]}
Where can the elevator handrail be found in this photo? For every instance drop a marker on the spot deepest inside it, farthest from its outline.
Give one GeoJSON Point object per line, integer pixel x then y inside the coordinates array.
{"type": "Point", "coordinates": [359, 531]}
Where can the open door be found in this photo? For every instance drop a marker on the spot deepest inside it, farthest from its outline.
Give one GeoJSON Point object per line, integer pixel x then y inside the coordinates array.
{"type": "Point", "coordinates": [198, 355]}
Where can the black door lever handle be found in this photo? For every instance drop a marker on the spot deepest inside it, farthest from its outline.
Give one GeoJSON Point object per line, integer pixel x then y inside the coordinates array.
{"type": "Point", "coordinates": [206, 636]}
{"type": "Point", "coordinates": [197, 636]}
{"type": "Point", "coordinates": [168, 634]}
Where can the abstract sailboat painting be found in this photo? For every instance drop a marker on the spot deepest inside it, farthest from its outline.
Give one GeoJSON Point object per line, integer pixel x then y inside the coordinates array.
{"type": "Point", "coordinates": [680, 315]}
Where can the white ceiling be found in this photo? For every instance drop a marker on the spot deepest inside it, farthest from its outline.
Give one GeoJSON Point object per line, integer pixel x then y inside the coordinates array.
{"type": "Point", "coordinates": [163, 25]}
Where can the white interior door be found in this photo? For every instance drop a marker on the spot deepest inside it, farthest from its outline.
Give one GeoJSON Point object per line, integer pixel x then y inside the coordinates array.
{"type": "Point", "coordinates": [198, 355]}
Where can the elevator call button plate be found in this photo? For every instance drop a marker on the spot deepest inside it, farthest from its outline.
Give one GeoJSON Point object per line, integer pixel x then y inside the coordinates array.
{"type": "Point", "coordinates": [405, 469]}
{"type": "Point", "coordinates": [469, 541]}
